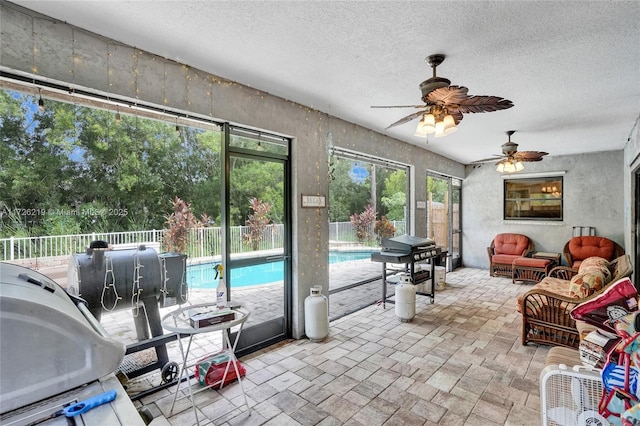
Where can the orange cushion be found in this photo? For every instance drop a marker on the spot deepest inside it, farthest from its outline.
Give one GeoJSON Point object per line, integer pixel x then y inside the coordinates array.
{"type": "Point", "coordinates": [531, 262]}
{"type": "Point", "coordinates": [588, 246]}
{"type": "Point", "coordinates": [555, 285]}
{"type": "Point", "coordinates": [504, 259]}
{"type": "Point", "coordinates": [514, 244]}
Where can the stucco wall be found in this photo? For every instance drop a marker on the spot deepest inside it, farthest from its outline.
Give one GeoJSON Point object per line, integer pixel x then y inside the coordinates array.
{"type": "Point", "coordinates": [593, 196]}
{"type": "Point", "coordinates": [55, 51]}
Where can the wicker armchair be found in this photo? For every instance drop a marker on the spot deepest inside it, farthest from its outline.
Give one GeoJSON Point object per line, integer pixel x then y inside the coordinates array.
{"type": "Point", "coordinates": [579, 248]}
{"type": "Point", "coordinates": [563, 272]}
{"type": "Point", "coordinates": [546, 307]}
{"type": "Point", "coordinates": [504, 249]}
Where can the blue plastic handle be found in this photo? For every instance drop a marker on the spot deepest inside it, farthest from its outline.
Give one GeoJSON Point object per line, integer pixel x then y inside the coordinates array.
{"type": "Point", "coordinates": [86, 405]}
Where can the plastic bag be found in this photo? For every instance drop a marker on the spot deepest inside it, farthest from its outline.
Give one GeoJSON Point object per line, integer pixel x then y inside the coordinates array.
{"type": "Point", "coordinates": [631, 417]}
{"type": "Point", "coordinates": [210, 370]}
{"type": "Point", "coordinates": [614, 404]}
{"type": "Point", "coordinates": [618, 300]}
{"type": "Point", "coordinates": [620, 379]}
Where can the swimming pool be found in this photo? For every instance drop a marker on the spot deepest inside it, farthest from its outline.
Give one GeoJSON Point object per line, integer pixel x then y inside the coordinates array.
{"type": "Point", "coordinates": [347, 256]}
{"type": "Point", "coordinates": [203, 275]}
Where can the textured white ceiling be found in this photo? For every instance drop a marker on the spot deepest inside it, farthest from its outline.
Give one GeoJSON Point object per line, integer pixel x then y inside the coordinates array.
{"type": "Point", "coordinates": [572, 69]}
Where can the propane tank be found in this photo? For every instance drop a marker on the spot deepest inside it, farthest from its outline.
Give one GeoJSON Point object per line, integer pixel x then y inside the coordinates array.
{"type": "Point", "coordinates": [316, 315]}
{"type": "Point", "coordinates": [405, 308]}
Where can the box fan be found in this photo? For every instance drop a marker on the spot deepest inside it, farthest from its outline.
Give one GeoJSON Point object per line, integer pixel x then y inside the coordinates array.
{"type": "Point", "coordinates": [569, 397]}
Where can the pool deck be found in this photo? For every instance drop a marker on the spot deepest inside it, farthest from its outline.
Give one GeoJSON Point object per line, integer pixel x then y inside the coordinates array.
{"type": "Point", "coordinates": [264, 302]}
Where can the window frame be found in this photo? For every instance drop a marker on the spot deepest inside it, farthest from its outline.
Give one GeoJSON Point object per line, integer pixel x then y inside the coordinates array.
{"type": "Point", "coordinates": [554, 180]}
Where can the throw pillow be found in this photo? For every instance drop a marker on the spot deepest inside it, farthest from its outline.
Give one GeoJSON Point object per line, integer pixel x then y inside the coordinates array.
{"type": "Point", "coordinates": [596, 262]}
{"type": "Point", "coordinates": [592, 275]}
{"type": "Point", "coordinates": [586, 283]}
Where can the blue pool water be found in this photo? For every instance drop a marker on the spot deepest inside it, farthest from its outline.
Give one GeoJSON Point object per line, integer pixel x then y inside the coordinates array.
{"type": "Point", "coordinates": [346, 256]}
{"type": "Point", "coordinates": [203, 275]}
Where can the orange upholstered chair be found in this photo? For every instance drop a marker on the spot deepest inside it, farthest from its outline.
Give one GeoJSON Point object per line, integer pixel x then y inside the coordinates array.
{"type": "Point", "coordinates": [579, 248]}
{"type": "Point", "coordinates": [504, 249]}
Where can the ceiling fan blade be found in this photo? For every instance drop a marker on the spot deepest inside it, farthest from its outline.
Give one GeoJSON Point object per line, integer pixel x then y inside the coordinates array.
{"type": "Point", "coordinates": [448, 95]}
{"type": "Point", "coordinates": [406, 119]}
{"type": "Point", "coordinates": [489, 160]}
{"type": "Point", "coordinates": [398, 106]}
{"type": "Point", "coordinates": [483, 104]}
{"type": "Point", "coordinates": [529, 155]}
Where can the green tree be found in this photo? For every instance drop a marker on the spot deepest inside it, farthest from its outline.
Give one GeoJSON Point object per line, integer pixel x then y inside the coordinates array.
{"type": "Point", "coordinates": [346, 196]}
{"type": "Point", "coordinates": [394, 195]}
{"type": "Point", "coordinates": [34, 166]}
{"type": "Point", "coordinates": [72, 159]}
{"type": "Point", "coordinates": [395, 206]}
{"type": "Point", "coordinates": [437, 188]}
{"type": "Point", "coordinates": [395, 182]}
{"type": "Point", "coordinates": [251, 178]}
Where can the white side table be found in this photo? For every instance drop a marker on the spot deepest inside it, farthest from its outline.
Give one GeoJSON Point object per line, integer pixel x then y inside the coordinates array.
{"type": "Point", "coordinates": [178, 322]}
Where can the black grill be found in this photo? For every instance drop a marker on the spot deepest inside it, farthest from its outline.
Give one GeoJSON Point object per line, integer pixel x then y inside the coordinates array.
{"type": "Point", "coordinates": [405, 251]}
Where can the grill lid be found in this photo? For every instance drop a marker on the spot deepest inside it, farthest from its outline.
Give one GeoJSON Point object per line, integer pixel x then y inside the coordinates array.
{"type": "Point", "coordinates": [49, 343]}
{"type": "Point", "coordinates": [406, 243]}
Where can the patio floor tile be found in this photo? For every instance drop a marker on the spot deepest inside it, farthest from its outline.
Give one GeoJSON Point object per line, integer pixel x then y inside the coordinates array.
{"type": "Point", "coordinates": [459, 362]}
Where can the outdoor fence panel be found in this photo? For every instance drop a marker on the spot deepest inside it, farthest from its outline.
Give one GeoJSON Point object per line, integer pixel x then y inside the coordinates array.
{"type": "Point", "coordinates": [203, 242]}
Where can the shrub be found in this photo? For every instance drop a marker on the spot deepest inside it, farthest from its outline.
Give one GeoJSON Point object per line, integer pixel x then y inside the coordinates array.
{"type": "Point", "coordinates": [362, 223]}
{"type": "Point", "coordinates": [384, 228]}
{"type": "Point", "coordinates": [257, 222]}
{"type": "Point", "coordinates": [176, 238]}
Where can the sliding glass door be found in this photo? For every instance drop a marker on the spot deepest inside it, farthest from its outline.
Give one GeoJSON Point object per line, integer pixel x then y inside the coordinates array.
{"type": "Point", "coordinates": [258, 236]}
{"type": "Point", "coordinates": [444, 216]}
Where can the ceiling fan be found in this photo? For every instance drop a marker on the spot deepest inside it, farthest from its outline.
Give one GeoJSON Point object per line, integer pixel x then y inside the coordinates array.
{"type": "Point", "coordinates": [511, 159]}
{"type": "Point", "coordinates": [444, 104]}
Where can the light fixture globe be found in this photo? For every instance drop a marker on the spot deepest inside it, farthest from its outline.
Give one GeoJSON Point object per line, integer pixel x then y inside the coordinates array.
{"type": "Point", "coordinates": [420, 132]}
{"type": "Point", "coordinates": [426, 126]}
{"type": "Point", "coordinates": [429, 123]}
{"type": "Point", "coordinates": [439, 129]}
{"type": "Point", "coordinates": [449, 125]}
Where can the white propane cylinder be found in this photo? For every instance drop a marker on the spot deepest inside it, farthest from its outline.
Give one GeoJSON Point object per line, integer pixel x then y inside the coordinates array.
{"type": "Point", "coordinates": [316, 315]}
{"type": "Point", "coordinates": [405, 299]}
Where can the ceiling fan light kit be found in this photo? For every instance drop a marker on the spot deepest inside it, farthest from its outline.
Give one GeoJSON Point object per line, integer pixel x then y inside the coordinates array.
{"type": "Point", "coordinates": [444, 104]}
{"type": "Point", "coordinates": [511, 159]}
{"type": "Point", "coordinates": [436, 121]}
{"type": "Point", "coordinates": [509, 166]}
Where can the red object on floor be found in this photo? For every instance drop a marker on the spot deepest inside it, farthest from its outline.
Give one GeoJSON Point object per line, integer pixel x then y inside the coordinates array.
{"type": "Point", "coordinates": [210, 370]}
